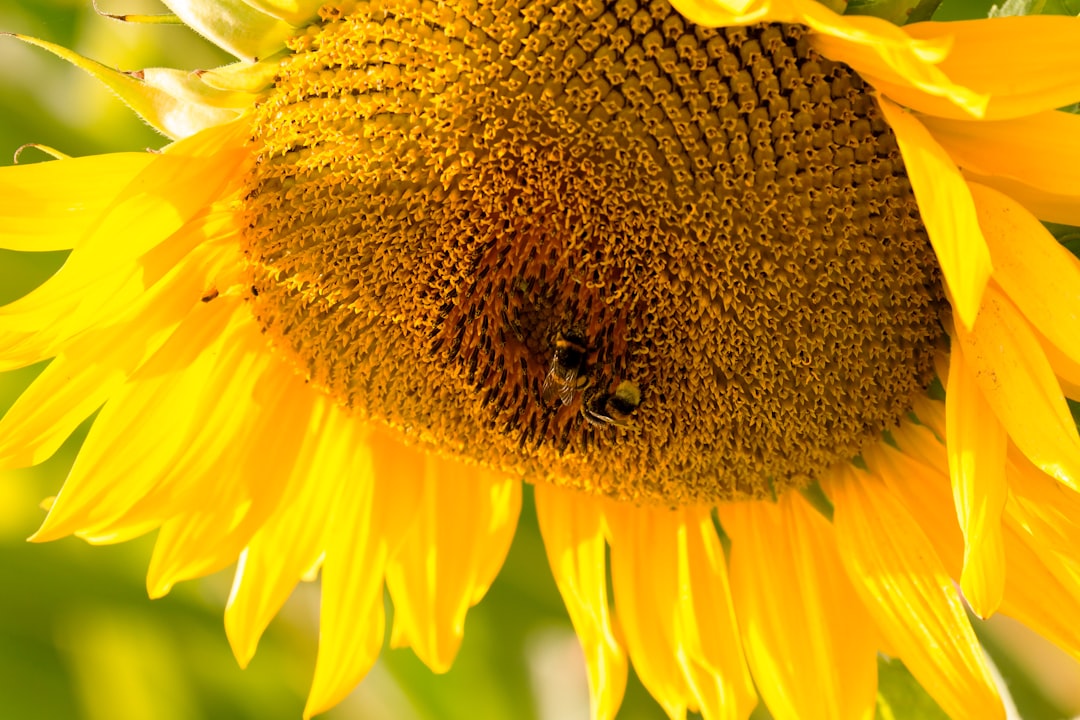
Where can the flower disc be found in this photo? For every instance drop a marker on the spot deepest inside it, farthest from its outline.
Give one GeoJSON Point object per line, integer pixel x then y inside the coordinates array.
{"type": "Point", "coordinates": [592, 242]}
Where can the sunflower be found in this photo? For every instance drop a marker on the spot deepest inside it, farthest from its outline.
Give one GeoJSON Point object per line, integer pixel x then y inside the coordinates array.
{"type": "Point", "coordinates": [756, 296]}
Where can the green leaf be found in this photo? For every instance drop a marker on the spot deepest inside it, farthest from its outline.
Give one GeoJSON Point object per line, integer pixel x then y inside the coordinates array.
{"type": "Point", "coordinates": [899, 12]}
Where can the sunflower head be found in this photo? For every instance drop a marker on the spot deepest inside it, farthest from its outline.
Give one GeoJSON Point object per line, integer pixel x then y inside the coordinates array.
{"type": "Point", "coordinates": [669, 265]}
{"type": "Point", "coordinates": [720, 217]}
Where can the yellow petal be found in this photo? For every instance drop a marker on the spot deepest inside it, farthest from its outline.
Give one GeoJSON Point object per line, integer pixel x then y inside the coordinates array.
{"type": "Point", "coordinates": [571, 524]}
{"type": "Point", "coordinates": [976, 442]}
{"type": "Point", "coordinates": [143, 432]}
{"type": "Point", "coordinates": [920, 443]}
{"type": "Point", "coordinates": [291, 540]}
{"type": "Point", "coordinates": [465, 522]}
{"type": "Point", "coordinates": [98, 284]}
{"type": "Point", "coordinates": [1040, 151]}
{"type": "Point", "coordinates": [706, 631]}
{"type": "Point", "coordinates": [93, 365]}
{"type": "Point", "coordinates": [1044, 507]}
{"type": "Point", "coordinates": [1067, 371]}
{"type": "Point", "coordinates": [674, 604]}
{"type": "Point", "coordinates": [1038, 274]}
{"type": "Point", "coordinates": [1043, 587]}
{"type": "Point", "coordinates": [374, 511]}
{"type": "Point", "coordinates": [1039, 71]}
{"type": "Point", "coordinates": [798, 610]}
{"type": "Point", "coordinates": [1017, 381]}
{"type": "Point", "coordinates": [54, 205]}
{"type": "Point", "coordinates": [69, 203]}
{"type": "Point", "coordinates": [1049, 206]}
{"type": "Point", "coordinates": [644, 578]}
{"type": "Point", "coordinates": [926, 494]}
{"type": "Point", "coordinates": [1041, 590]}
{"type": "Point", "coordinates": [215, 428]}
{"type": "Point", "coordinates": [249, 475]}
{"type": "Point", "coordinates": [947, 209]}
{"type": "Point", "coordinates": [910, 594]}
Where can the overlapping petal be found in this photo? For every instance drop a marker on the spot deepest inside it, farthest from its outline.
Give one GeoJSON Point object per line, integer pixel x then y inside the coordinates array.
{"type": "Point", "coordinates": [1040, 70]}
{"type": "Point", "coordinates": [191, 397]}
{"type": "Point", "coordinates": [1039, 151]}
{"type": "Point", "coordinates": [572, 525]}
{"type": "Point", "coordinates": [254, 463]}
{"type": "Point", "coordinates": [372, 513]}
{"type": "Point", "coordinates": [907, 588]}
{"type": "Point", "coordinates": [797, 609]}
{"type": "Point", "coordinates": [976, 444]}
{"type": "Point", "coordinates": [465, 521]}
{"type": "Point", "coordinates": [1040, 276]}
{"type": "Point", "coordinates": [55, 205]}
{"type": "Point", "coordinates": [292, 540]}
{"type": "Point", "coordinates": [95, 364]}
{"type": "Point", "coordinates": [674, 604]}
{"type": "Point", "coordinates": [1011, 369]}
{"type": "Point", "coordinates": [947, 210]}
{"type": "Point", "coordinates": [1042, 587]}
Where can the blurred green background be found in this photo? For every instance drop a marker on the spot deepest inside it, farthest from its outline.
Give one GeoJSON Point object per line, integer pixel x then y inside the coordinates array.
{"type": "Point", "coordinates": [78, 636]}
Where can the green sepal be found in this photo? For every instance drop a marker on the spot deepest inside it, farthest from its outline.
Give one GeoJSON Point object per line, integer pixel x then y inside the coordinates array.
{"type": "Point", "coordinates": [243, 77]}
{"type": "Point", "coordinates": [163, 19]}
{"type": "Point", "coordinates": [294, 12]}
{"type": "Point", "coordinates": [234, 26]}
{"type": "Point", "coordinates": [152, 94]}
{"type": "Point", "coordinates": [190, 87]}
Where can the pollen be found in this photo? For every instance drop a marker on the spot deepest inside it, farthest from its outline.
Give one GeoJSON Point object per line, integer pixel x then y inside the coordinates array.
{"type": "Point", "coordinates": [591, 243]}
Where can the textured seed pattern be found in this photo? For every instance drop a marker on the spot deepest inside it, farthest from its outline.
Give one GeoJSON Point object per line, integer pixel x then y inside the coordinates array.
{"type": "Point", "coordinates": [444, 190]}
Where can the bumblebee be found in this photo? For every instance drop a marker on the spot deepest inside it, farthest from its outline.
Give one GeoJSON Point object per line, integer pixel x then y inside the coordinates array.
{"type": "Point", "coordinates": [604, 408]}
{"type": "Point", "coordinates": [565, 377]}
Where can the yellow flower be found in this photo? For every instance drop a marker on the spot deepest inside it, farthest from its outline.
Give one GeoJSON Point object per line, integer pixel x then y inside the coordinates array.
{"type": "Point", "coordinates": [691, 281]}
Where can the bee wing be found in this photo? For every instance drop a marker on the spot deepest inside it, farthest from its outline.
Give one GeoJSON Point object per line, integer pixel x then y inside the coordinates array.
{"type": "Point", "coordinates": [552, 388]}
{"type": "Point", "coordinates": [566, 393]}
